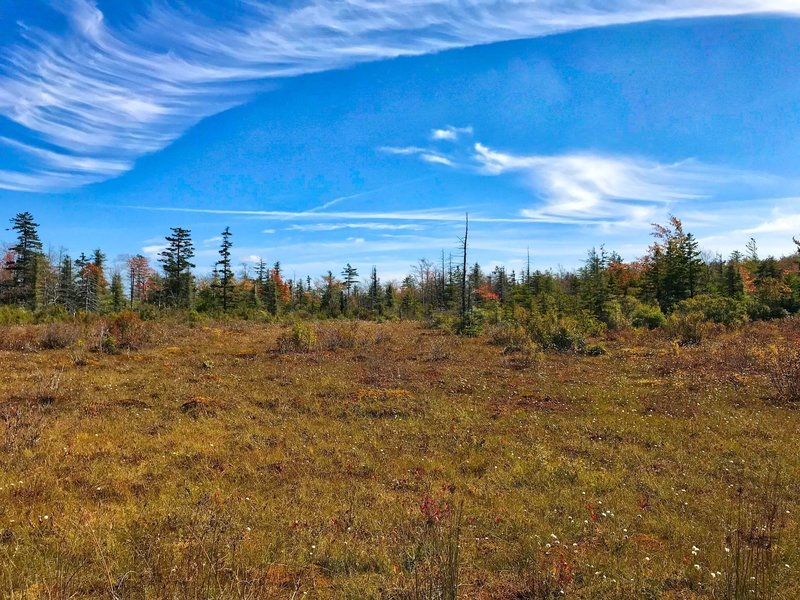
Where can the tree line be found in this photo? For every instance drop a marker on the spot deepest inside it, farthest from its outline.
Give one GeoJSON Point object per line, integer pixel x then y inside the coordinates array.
{"type": "Point", "coordinates": [673, 277]}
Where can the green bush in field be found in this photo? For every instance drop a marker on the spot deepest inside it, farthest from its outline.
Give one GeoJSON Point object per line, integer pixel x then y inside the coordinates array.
{"type": "Point", "coordinates": [15, 315]}
{"type": "Point", "coordinates": [300, 337]}
{"type": "Point", "coordinates": [687, 328]}
{"type": "Point", "coordinates": [716, 309]}
{"type": "Point", "coordinates": [555, 331]}
{"type": "Point", "coordinates": [472, 323]}
{"type": "Point", "coordinates": [647, 315]}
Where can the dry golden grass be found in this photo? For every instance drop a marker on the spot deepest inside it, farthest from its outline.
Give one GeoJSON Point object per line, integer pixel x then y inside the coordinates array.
{"type": "Point", "coordinates": [209, 465]}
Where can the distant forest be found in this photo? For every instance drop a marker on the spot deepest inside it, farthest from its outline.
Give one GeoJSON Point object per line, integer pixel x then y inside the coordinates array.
{"type": "Point", "coordinates": [673, 285]}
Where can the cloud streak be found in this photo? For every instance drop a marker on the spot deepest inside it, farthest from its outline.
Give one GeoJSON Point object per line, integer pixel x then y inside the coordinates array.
{"type": "Point", "coordinates": [588, 188]}
{"type": "Point", "coordinates": [593, 188]}
{"type": "Point", "coordinates": [91, 100]}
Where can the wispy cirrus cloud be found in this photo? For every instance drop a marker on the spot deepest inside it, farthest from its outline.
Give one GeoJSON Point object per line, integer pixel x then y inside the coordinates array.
{"type": "Point", "coordinates": [590, 187]}
{"type": "Point", "coordinates": [450, 133]}
{"type": "Point", "coordinates": [320, 227]}
{"type": "Point", "coordinates": [443, 215]}
{"type": "Point", "coordinates": [426, 154]}
{"type": "Point", "coordinates": [91, 100]}
{"type": "Point", "coordinates": [597, 188]}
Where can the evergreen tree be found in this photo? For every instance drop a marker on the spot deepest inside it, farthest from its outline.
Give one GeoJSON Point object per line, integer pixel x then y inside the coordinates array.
{"type": "Point", "coordinates": [86, 279]}
{"type": "Point", "coordinates": [117, 292]}
{"type": "Point", "coordinates": [594, 285]}
{"type": "Point", "coordinates": [328, 300]}
{"type": "Point", "coordinates": [375, 293]}
{"type": "Point", "coordinates": [673, 266]}
{"type": "Point", "coordinates": [349, 282]}
{"type": "Point", "coordinates": [177, 265]}
{"type": "Point", "coordinates": [225, 273]}
{"type": "Point", "coordinates": [67, 290]}
{"type": "Point", "coordinates": [25, 258]}
{"type": "Point", "coordinates": [101, 284]}
{"type": "Point", "coordinates": [732, 276]}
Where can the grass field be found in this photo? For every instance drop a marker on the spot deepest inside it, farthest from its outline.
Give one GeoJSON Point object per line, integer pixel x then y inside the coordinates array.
{"type": "Point", "coordinates": [395, 461]}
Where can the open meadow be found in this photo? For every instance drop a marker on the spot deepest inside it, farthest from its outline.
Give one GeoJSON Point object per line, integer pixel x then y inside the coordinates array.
{"type": "Point", "coordinates": [343, 459]}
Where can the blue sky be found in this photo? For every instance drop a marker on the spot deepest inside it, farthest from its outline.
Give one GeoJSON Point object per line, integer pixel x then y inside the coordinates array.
{"type": "Point", "coordinates": [361, 131]}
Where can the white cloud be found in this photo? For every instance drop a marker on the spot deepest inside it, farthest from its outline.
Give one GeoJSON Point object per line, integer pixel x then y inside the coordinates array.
{"type": "Point", "coordinates": [429, 156]}
{"type": "Point", "coordinates": [779, 222]}
{"type": "Point", "coordinates": [450, 133]}
{"type": "Point", "coordinates": [269, 231]}
{"type": "Point", "coordinates": [93, 99]}
{"type": "Point", "coordinates": [437, 159]}
{"type": "Point", "coordinates": [589, 188]}
{"type": "Point", "coordinates": [434, 214]}
{"type": "Point", "coordinates": [404, 151]}
{"type": "Point", "coordinates": [316, 227]}
{"type": "Point", "coordinates": [153, 251]}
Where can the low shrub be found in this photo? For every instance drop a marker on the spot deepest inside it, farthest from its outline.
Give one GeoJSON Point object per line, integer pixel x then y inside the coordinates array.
{"type": "Point", "coordinates": [649, 316]}
{"type": "Point", "coordinates": [339, 335]}
{"type": "Point", "coordinates": [59, 335]}
{"type": "Point", "coordinates": [471, 324]}
{"type": "Point", "coordinates": [716, 309]}
{"type": "Point", "coordinates": [687, 329]}
{"type": "Point", "coordinates": [54, 313]}
{"type": "Point", "coordinates": [128, 330]}
{"type": "Point", "coordinates": [783, 371]}
{"type": "Point", "coordinates": [15, 315]}
{"type": "Point", "coordinates": [444, 321]}
{"type": "Point", "coordinates": [20, 338]}
{"type": "Point", "coordinates": [565, 333]}
{"type": "Point", "coordinates": [300, 337]}
{"type": "Point", "coordinates": [509, 336]}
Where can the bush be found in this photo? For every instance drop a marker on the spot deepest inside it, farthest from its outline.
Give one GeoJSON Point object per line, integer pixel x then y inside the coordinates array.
{"type": "Point", "coordinates": [687, 328]}
{"type": "Point", "coordinates": [472, 324]}
{"type": "Point", "coordinates": [647, 315]}
{"type": "Point", "coordinates": [59, 335]}
{"type": "Point", "coordinates": [128, 330]}
{"type": "Point", "coordinates": [444, 321]}
{"type": "Point", "coordinates": [784, 375]}
{"type": "Point", "coordinates": [301, 337]}
{"type": "Point", "coordinates": [716, 309]}
{"type": "Point", "coordinates": [54, 313]}
{"type": "Point", "coordinates": [612, 315]}
{"type": "Point", "coordinates": [565, 333]}
{"type": "Point", "coordinates": [339, 335]}
{"type": "Point", "coordinates": [15, 315]}
{"type": "Point", "coordinates": [509, 336]}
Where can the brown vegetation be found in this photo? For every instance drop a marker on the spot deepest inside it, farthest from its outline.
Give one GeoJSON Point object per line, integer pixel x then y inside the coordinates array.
{"type": "Point", "coordinates": [343, 460]}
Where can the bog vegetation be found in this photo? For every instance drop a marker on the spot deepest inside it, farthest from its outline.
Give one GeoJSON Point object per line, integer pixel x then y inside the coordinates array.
{"type": "Point", "coordinates": [624, 431]}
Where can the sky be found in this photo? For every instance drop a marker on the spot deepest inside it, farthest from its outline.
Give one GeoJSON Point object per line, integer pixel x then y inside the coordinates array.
{"type": "Point", "coordinates": [362, 131]}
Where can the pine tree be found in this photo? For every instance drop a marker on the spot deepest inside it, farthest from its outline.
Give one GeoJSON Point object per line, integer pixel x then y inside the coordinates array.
{"type": "Point", "coordinates": [26, 255]}
{"type": "Point", "coordinates": [673, 265]}
{"type": "Point", "coordinates": [375, 293]}
{"type": "Point", "coordinates": [117, 292]}
{"type": "Point", "coordinates": [67, 291]}
{"type": "Point", "coordinates": [732, 276]}
{"type": "Point", "coordinates": [177, 265]}
{"type": "Point", "coordinates": [225, 272]}
{"type": "Point", "coordinates": [101, 284]}
{"type": "Point", "coordinates": [86, 279]}
{"type": "Point", "coordinates": [349, 282]}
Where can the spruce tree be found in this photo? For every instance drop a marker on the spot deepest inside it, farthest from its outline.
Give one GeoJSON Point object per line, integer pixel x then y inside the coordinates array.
{"type": "Point", "coordinates": [117, 292]}
{"type": "Point", "coordinates": [225, 272]}
{"type": "Point", "coordinates": [177, 265]}
{"type": "Point", "coordinates": [24, 265]}
{"type": "Point", "coordinates": [375, 293]}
